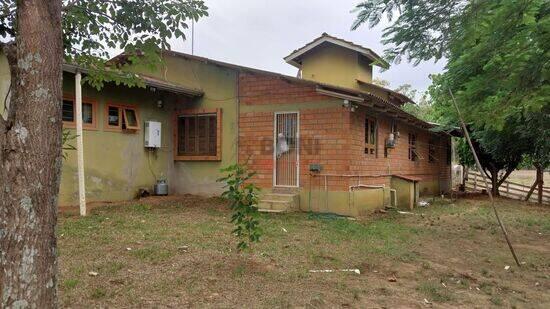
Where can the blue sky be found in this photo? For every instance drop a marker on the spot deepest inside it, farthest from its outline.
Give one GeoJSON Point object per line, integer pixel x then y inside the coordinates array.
{"type": "Point", "coordinates": [259, 33]}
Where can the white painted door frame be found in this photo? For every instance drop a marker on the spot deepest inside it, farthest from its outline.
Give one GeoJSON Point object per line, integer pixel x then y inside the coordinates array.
{"type": "Point", "coordinates": [297, 165]}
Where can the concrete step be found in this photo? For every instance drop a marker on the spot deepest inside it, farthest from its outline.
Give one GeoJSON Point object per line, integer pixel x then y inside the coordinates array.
{"type": "Point", "coordinates": [280, 202]}
{"type": "Point", "coordinates": [270, 210]}
{"type": "Point", "coordinates": [279, 197]}
{"type": "Point", "coordinates": [274, 205]}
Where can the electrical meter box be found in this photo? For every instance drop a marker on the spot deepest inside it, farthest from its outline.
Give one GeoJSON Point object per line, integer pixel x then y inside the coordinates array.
{"type": "Point", "coordinates": [153, 134]}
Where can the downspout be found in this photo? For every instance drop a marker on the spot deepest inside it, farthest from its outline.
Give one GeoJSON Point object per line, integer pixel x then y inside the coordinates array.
{"type": "Point", "coordinates": [238, 110]}
{"type": "Point", "coordinates": [80, 144]}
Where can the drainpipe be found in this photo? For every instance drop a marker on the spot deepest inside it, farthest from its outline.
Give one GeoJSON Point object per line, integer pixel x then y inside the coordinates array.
{"type": "Point", "coordinates": [80, 144]}
{"type": "Point", "coordinates": [238, 111]}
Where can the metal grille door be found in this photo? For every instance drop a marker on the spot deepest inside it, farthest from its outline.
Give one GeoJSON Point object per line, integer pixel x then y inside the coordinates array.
{"type": "Point", "coordinates": [286, 152]}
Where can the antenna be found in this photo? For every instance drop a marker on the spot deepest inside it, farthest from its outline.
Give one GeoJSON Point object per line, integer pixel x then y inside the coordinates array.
{"type": "Point", "coordinates": [192, 36]}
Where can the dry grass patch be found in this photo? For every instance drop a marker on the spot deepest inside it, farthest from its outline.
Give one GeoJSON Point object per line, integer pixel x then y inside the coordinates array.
{"type": "Point", "coordinates": [178, 252]}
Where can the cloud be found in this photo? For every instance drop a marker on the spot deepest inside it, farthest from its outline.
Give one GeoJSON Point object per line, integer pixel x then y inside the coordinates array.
{"type": "Point", "coordinates": [259, 33]}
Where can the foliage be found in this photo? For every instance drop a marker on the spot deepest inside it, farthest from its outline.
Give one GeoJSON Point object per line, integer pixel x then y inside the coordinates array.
{"type": "Point", "coordinates": [498, 67]}
{"type": "Point", "coordinates": [381, 82]}
{"type": "Point", "coordinates": [407, 90]}
{"type": "Point", "coordinates": [244, 200]}
{"type": "Point", "coordinates": [94, 28]}
{"type": "Point", "coordinates": [66, 139]}
{"type": "Point", "coordinates": [420, 29]}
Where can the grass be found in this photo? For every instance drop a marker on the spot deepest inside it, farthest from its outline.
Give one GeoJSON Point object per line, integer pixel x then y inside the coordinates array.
{"type": "Point", "coordinates": [435, 292]}
{"type": "Point", "coordinates": [182, 254]}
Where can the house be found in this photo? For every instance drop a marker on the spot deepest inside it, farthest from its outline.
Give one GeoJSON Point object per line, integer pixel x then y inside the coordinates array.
{"type": "Point", "coordinates": [328, 140]}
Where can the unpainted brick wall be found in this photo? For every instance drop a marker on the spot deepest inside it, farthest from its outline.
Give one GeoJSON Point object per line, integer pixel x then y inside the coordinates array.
{"type": "Point", "coordinates": [333, 137]}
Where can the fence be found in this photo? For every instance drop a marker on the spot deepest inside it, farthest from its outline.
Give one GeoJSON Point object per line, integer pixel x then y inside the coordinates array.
{"type": "Point", "coordinates": [474, 181]}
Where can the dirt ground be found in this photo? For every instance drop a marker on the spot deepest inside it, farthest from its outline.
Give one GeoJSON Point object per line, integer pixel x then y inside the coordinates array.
{"type": "Point", "coordinates": [179, 252]}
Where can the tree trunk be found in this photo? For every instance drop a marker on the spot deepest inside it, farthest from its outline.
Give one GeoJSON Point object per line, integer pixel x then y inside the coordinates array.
{"type": "Point", "coordinates": [30, 158]}
{"type": "Point", "coordinates": [494, 181]}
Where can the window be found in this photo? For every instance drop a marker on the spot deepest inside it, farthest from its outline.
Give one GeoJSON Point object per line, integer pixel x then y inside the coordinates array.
{"type": "Point", "coordinates": [413, 156]}
{"type": "Point", "coordinates": [198, 135]}
{"type": "Point", "coordinates": [69, 112]}
{"type": "Point", "coordinates": [431, 150]}
{"type": "Point", "coordinates": [371, 132]}
{"type": "Point", "coordinates": [121, 117]}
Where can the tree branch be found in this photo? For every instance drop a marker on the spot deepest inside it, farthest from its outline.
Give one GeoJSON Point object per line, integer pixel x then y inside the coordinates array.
{"type": "Point", "coordinates": [508, 172]}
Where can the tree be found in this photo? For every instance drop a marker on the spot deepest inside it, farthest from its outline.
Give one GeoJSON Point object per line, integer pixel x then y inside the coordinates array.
{"type": "Point", "coordinates": [243, 196]}
{"type": "Point", "coordinates": [407, 90]}
{"type": "Point", "coordinates": [537, 124]}
{"type": "Point", "coordinates": [381, 82]}
{"type": "Point", "coordinates": [36, 37]}
{"type": "Point", "coordinates": [498, 63]}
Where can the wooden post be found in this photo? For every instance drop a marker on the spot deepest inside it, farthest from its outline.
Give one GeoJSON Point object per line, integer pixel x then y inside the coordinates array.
{"type": "Point", "coordinates": [478, 164]}
{"type": "Point", "coordinates": [80, 144]}
{"type": "Point", "coordinates": [540, 179]}
{"type": "Point", "coordinates": [475, 181]}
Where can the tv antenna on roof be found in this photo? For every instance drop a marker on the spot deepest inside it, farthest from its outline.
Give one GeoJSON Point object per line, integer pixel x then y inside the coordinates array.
{"type": "Point", "coordinates": [192, 36]}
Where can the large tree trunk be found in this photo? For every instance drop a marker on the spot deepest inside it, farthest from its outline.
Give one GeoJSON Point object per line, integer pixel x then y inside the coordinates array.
{"type": "Point", "coordinates": [30, 159]}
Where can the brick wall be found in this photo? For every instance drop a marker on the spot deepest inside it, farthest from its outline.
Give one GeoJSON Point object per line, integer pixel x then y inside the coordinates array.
{"type": "Point", "coordinates": [257, 89]}
{"type": "Point", "coordinates": [397, 160]}
{"type": "Point", "coordinates": [332, 137]}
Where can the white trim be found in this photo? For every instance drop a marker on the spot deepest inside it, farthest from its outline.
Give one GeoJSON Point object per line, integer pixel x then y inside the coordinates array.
{"type": "Point", "coordinates": [297, 148]}
{"type": "Point", "coordinates": [339, 95]}
{"type": "Point", "coordinates": [290, 59]}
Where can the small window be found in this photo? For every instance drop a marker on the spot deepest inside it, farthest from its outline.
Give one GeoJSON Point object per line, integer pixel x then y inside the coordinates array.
{"type": "Point", "coordinates": [114, 116]}
{"type": "Point", "coordinates": [68, 111]}
{"type": "Point", "coordinates": [431, 150]}
{"type": "Point", "coordinates": [413, 156]}
{"type": "Point", "coordinates": [371, 132]}
{"type": "Point", "coordinates": [120, 117]}
{"type": "Point", "coordinates": [130, 119]}
{"type": "Point", "coordinates": [88, 113]}
{"type": "Point", "coordinates": [198, 135]}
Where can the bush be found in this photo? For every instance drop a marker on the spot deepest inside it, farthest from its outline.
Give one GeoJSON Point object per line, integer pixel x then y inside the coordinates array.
{"type": "Point", "coordinates": [244, 200]}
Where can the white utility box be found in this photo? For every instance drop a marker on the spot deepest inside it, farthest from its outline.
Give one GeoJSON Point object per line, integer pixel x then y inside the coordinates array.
{"type": "Point", "coordinates": [153, 134]}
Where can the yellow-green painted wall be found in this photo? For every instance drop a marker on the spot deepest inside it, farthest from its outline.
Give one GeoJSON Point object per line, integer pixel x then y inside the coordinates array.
{"type": "Point", "coordinates": [337, 66]}
{"type": "Point", "coordinates": [116, 163]}
{"type": "Point", "coordinates": [355, 203]}
{"type": "Point", "coordinates": [220, 87]}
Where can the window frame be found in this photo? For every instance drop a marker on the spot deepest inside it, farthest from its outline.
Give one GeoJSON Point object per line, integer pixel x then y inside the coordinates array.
{"type": "Point", "coordinates": [85, 126]}
{"type": "Point", "coordinates": [121, 115]}
{"type": "Point", "coordinates": [371, 147]}
{"type": "Point", "coordinates": [413, 155]}
{"type": "Point", "coordinates": [198, 112]}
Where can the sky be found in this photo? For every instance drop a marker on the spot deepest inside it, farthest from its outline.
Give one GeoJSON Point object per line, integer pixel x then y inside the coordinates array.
{"type": "Point", "coordinates": [260, 33]}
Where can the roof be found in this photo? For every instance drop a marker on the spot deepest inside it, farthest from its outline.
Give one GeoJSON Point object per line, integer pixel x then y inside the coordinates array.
{"type": "Point", "coordinates": [396, 94]}
{"type": "Point", "coordinates": [149, 81]}
{"type": "Point", "coordinates": [408, 177]}
{"type": "Point", "coordinates": [363, 98]}
{"type": "Point", "coordinates": [295, 57]}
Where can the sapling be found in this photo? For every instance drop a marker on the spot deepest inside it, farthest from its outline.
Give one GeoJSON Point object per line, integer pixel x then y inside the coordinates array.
{"type": "Point", "coordinates": [243, 196]}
